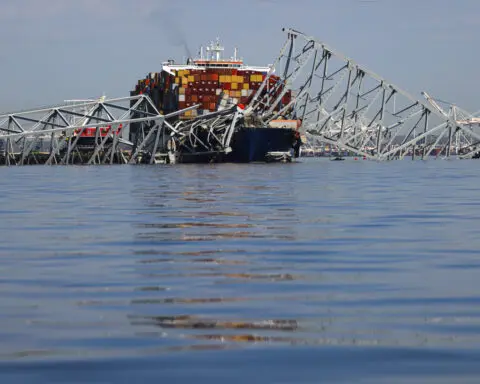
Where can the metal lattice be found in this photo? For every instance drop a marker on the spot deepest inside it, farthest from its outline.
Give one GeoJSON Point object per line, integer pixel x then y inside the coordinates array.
{"type": "Point", "coordinates": [345, 105]}
{"type": "Point", "coordinates": [133, 132]}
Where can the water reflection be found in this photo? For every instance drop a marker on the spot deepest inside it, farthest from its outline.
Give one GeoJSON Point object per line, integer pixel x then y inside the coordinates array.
{"type": "Point", "coordinates": [156, 260]}
{"type": "Point", "coordinates": [223, 222]}
{"type": "Point", "coordinates": [196, 322]}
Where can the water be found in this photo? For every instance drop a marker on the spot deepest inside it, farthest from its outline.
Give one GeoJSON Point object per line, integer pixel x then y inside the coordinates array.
{"type": "Point", "coordinates": [319, 271]}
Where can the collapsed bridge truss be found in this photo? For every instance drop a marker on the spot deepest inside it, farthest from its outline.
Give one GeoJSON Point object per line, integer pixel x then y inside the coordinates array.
{"type": "Point", "coordinates": [343, 104]}
{"type": "Point", "coordinates": [340, 103]}
{"type": "Point", "coordinates": [124, 130]}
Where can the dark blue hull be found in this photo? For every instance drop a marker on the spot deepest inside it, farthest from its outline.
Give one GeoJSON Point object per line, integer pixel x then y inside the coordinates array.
{"type": "Point", "coordinates": [248, 145]}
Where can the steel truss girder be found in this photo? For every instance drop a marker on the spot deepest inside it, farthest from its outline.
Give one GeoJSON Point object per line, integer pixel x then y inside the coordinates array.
{"type": "Point", "coordinates": [346, 105]}
{"type": "Point", "coordinates": [60, 128]}
{"type": "Point", "coordinates": [211, 133]}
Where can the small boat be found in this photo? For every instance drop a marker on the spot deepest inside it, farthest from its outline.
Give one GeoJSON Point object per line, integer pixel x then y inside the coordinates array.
{"type": "Point", "coordinates": [337, 158]}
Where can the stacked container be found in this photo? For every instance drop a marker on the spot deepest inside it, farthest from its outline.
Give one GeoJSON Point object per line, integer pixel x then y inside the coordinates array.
{"type": "Point", "coordinates": [210, 88]}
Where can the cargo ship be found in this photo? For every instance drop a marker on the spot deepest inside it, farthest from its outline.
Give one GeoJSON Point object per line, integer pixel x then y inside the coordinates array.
{"type": "Point", "coordinates": [212, 84]}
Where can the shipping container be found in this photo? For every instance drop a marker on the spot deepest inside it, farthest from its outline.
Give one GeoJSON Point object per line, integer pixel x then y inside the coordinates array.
{"type": "Point", "coordinates": [205, 85]}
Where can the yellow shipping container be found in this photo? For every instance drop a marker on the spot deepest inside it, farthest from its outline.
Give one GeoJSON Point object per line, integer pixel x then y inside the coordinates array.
{"type": "Point", "coordinates": [228, 79]}
{"type": "Point", "coordinates": [191, 78]}
{"type": "Point", "coordinates": [222, 79]}
{"type": "Point", "coordinates": [184, 80]}
{"type": "Point", "coordinates": [245, 86]}
{"type": "Point", "coordinates": [181, 91]}
{"type": "Point", "coordinates": [226, 92]}
{"type": "Point", "coordinates": [234, 85]}
{"type": "Point", "coordinates": [181, 73]}
{"type": "Point", "coordinates": [186, 72]}
{"type": "Point", "coordinates": [177, 80]}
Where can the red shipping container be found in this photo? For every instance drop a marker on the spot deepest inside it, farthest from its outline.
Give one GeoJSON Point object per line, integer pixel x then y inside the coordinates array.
{"type": "Point", "coordinates": [212, 106]}
{"type": "Point", "coordinates": [227, 86]}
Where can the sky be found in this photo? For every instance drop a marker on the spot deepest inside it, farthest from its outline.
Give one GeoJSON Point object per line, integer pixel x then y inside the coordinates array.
{"type": "Point", "coordinates": [54, 50]}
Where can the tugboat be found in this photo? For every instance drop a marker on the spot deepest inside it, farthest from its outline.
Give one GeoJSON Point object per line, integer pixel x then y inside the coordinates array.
{"type": "Point", "coordinates": [217, 84]}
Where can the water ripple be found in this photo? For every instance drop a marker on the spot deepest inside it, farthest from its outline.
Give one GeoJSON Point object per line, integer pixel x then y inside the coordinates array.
{"type": "Point", "coordinates": [233, 261]}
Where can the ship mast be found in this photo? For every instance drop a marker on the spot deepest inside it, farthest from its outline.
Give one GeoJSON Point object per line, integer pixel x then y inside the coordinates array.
{"type": "Point", "coordinates": [214, 50]}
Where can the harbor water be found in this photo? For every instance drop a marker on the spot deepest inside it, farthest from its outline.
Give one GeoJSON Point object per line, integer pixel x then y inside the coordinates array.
{"type": "Point", "coordinates": [315, 271]}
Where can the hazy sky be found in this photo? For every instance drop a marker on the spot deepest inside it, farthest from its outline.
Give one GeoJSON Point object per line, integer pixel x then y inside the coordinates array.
{"type": "Point", "coordinates": [54, 50]}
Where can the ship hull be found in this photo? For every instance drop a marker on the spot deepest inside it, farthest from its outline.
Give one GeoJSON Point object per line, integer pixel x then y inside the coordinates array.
{"type": "Point", "coordinates": [249, 145]}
